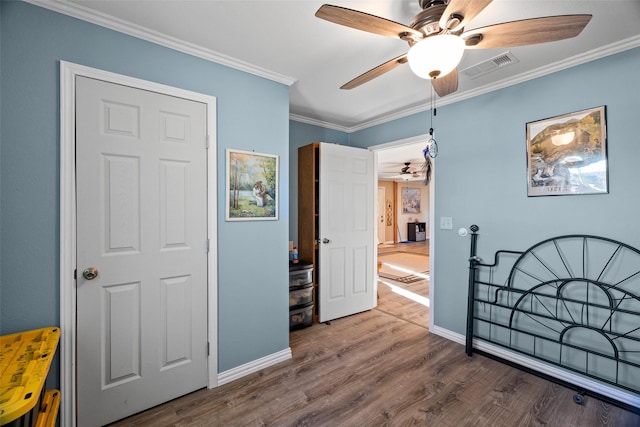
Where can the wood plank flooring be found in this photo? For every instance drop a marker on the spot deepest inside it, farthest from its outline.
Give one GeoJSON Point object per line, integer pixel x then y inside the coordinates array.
{"type": "Point", "coordinates": [390, 292]}
{"type": "Point", "coordinates": [412, 247]}
{"type": "Point", "coordinates": [379, 369]}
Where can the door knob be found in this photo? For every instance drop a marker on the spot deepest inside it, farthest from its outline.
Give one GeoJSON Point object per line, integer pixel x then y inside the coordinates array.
{"type": "Point", "coordinates": [90, 273]}
{"type": "Point", "coordinates": [325, 240]}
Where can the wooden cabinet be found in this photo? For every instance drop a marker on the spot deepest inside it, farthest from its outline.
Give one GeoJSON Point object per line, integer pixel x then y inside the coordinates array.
{"type": "Point", "coordinates": [416, 231]}
{"type": "Point", "coordinates": [308, 210]}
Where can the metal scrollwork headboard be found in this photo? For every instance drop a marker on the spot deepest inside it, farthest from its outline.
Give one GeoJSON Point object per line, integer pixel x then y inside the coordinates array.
{"type": "Point", "coordinates": [571, 302]}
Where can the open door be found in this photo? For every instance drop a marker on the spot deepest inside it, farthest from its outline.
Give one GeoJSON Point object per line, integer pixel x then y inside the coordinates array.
{"type": "Point", "coordinates": [346, 233]}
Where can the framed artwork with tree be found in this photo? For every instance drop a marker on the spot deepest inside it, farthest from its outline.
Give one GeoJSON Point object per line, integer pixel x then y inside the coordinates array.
{"type": "Point", "coordinates": [251, 186]}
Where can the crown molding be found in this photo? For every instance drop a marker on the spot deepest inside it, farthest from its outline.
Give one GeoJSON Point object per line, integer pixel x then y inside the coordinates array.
{"type": "Point", "coordinates": [125, 27]}
{"type": "Point", "coordinates": [88, 15]}
{"type": "Point", "coordinates": [573, 61]}
{"type": "Point", "coordinates": [320, 123]}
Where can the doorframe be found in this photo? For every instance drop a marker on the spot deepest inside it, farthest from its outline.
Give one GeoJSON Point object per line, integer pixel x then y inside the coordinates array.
{"type": "Point", "coordinates": [381, 212]}
{"type": "Point", "coordinates": [68, 251]}
{"type": "Point", "coordinates": [432, 191]}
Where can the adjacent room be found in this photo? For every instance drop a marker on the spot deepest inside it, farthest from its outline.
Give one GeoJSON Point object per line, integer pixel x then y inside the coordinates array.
{"type": "Point", "coordinates": [225, 213]}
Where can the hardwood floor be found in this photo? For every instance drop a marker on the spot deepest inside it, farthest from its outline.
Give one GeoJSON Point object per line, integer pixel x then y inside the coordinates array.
{"type": "Point", "coordinates": [412, 247]}
{"type": "Point", "coordinates": [407, 301]}
{"type": "Point", "coordinates": [378, 369]}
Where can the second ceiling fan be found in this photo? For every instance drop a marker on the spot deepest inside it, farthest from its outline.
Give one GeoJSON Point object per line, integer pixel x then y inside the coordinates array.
{"type": "Point", "coordinates": [437, 38]}
{"type": "Point", "coordinates": [405, 173]}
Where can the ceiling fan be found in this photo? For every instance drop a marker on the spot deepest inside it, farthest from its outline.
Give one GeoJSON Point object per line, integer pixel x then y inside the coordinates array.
{"type": "Point", "coordinates": [437, 38]}
{"type": "Point", "coordinates": [405, 173]}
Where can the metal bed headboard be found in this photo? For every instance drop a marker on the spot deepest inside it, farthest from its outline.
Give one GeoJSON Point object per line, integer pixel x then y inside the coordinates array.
{"type": "Point", "coordinates": [571, 302]}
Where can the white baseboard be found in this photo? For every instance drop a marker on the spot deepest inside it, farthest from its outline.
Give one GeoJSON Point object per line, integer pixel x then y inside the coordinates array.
{"type": "Point", "coordinates": [564, 375]}
{"type": "Point", "coordinates": [445, 333]}
{"type": "Point", "coordinates": [537, 365]}
{"type": "Point", "coordinates": [253, 366]}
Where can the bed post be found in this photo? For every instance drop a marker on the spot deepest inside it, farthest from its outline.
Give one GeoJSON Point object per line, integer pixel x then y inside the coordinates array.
{"type": "Point", "coordinates": [473, 263]}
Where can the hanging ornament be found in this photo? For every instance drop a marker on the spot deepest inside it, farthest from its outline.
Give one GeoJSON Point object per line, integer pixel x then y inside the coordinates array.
{"type": "Point", "coordinates": [432, 146]}
{"type": "Point", "coordinates": [426, 166]}
{"type": "Point", "coordinates": [431, 150]}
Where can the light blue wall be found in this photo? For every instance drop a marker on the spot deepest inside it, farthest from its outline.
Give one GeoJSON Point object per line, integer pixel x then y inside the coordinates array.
{"type": "Point", "coordinates": [301, 134]}
{"type": "Point", "coordinates": [252, 114]}
{"type": "Point", "coordinates": [480, 173]}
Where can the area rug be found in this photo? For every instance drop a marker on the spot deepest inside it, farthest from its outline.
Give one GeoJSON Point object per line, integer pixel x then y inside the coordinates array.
{"type": "Point", "coordinates": [403, 267]}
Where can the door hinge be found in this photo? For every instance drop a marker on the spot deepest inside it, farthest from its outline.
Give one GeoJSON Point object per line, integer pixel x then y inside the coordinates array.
{"type": "Point", "coordinates": [208, 349]}
{"type": "Point", "coordinates": [75, 274]}
{"type": "Point", "coordinates": [208, 245]}
{"type": "Point", "coordinates": [206, 142]}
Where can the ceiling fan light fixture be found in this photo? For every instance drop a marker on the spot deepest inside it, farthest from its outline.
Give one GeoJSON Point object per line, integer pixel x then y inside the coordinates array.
{"type": "Point", "coordinates": [435, 56]}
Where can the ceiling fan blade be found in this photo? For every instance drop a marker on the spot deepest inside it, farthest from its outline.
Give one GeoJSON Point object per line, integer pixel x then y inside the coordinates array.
{"type": "Point", "coordinates": [366, 22]}
{"type": "Point", "coordinates": [526, 32]}
{"type": "Point", "coordinates": [375, 72]}
{"type": "Point", "coordinates": [446, 84]}
{"type": "Point", "coordinates": [467, 9]}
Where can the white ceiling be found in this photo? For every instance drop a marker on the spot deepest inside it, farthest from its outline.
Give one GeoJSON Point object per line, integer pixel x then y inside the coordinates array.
{"type": "Point", "coordinates": [391, 161]}
{"type": "Point", "coordinates": [285, 42]}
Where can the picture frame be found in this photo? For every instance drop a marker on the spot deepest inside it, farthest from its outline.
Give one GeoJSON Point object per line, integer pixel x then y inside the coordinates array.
{"type": "Point", "coordinates": [410, 200]}
{"type": "Point", "coordinates": [567, 154]}
{"type": "Point", "coordinates": [252, 190]}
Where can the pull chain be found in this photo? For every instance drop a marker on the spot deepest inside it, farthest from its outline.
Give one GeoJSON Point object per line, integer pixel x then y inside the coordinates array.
{"type": "Point", "coordinates": [432, 146]}
{"type": "Point", "coordinates": [433, 109]}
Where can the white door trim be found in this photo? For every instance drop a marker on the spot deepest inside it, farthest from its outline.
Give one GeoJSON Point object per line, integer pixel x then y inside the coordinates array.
{"type": "Point", "coordinates": [432, 197]}
{"type": "Point", "coordinates": [68, 73]}
{"type": "Point", "coordinates": [381, 213]}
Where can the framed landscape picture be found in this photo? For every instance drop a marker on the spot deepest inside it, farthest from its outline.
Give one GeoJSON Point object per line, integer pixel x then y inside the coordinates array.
{"type": "Point", "coordinates": [567, 154]}
{"type": "Point", "coordinates": [252, 186]}
{"type": "Point", "coordinates": [410, 200]}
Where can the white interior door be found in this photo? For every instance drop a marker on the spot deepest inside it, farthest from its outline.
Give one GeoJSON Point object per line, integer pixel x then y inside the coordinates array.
{"type": "Point", "coordinates": [142, 224]}
{"type": "Point", "coordinates": [347, 217]}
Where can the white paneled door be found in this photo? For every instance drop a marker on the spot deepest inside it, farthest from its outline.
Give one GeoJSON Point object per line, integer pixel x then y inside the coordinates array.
{"type": "Point", "coordinates": [141, 249]}
{"type": "Point", "coordinates": [346, 282]}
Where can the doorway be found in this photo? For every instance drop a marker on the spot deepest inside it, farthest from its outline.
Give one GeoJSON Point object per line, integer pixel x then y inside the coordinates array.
{"type": "Point", "coordinates": [68, 224]}
{"type": "Point", "coordinates": [405, 268]}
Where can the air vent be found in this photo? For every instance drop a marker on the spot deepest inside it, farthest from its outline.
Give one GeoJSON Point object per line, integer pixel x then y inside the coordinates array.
{"type": "Point", "coordinates": [490, 65]}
